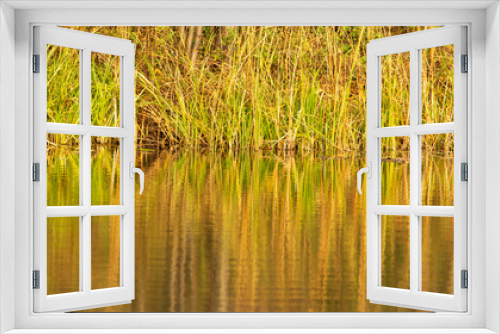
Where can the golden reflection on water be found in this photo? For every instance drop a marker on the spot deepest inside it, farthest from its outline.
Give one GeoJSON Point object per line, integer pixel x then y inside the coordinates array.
{"type": "Point", "coordinates": [258, 232]}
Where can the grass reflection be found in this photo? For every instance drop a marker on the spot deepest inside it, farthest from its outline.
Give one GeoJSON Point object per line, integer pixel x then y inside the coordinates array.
{"type": "Point", "coordinates": [255, 232]}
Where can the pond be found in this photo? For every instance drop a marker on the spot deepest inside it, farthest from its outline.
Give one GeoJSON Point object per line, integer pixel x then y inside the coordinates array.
{"type": "Point", "coordinates": [248, 232]}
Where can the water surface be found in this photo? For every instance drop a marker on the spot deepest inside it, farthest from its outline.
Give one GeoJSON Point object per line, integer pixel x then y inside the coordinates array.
{"type": "Point", "coordinates": [260, 232]}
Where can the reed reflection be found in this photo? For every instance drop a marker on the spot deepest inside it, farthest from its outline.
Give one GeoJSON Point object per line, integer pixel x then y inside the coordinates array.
{"type": "Point", "coordinates": [257, 232]}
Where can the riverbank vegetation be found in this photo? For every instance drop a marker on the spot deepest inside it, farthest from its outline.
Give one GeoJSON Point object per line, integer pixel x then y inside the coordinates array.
{"type": "Point", "coordinates": [255, 88]}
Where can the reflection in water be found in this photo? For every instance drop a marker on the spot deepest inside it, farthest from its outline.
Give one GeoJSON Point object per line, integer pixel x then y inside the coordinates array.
{"type": "Point", "coordinates": [63, 165]}
{"type": "Point", "coordinates": [63, 263]}
{"type": "Point", "coordinates": [255, 232]}
{"type": "Point", "coordinates": [105, 252]}
{"type": "Point", "coordinates": [395, 261]}
{"type": "Point", "coordinates": [105, 172]}
{"type": "Point", "coordinates": [438, 151]}
{"type": "Point", "coordinates": [437, 254]}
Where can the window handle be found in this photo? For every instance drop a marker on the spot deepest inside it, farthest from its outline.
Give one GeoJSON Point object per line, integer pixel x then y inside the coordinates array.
{"type": "Point", "coordinates": [134, 170]}
{"type": "Point", "coordinates": [368, 171]}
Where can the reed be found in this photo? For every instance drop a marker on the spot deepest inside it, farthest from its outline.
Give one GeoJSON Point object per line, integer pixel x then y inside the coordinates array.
{"type": "Point", "coordinates": [257, 88]}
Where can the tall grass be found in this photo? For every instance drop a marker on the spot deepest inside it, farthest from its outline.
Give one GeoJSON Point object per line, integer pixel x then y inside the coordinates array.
{"type": "Point", "coordinates": [263, 88]}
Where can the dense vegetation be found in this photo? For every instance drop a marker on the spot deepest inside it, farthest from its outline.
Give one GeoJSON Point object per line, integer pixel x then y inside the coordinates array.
{"type": "Point", "coordinates": [285, 88]}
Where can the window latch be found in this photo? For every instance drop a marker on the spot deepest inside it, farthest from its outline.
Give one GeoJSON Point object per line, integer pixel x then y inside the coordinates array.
{"type": "Point", "coordinates": [132, 171]}
{"type": "Point", "coordinates": [368, 171]}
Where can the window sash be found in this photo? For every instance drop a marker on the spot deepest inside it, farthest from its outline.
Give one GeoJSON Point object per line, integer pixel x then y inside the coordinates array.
{"type": "Point", "coordinates": [86, 297]}
{"type": "Point", "coordinates": [413, 43]}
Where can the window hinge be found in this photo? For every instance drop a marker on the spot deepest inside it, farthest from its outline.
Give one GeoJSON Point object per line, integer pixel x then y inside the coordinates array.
{"type": "Point", "coordinates": [464, 172]}
{"type": "Point", "coordinates": [36, 172]}
{"type": "Point", "coordinates": [465, 64]}
{"type": "Point", "coordinates": [464, 279]}
{"type": "Point", "coordinates": [36, 63]}
{"type": "Point", "coordinates": [36, 279]}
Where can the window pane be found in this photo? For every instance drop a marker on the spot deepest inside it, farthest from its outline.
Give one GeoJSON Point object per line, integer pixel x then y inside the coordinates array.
{"type": "Point", "coordinates": [437, 169]}
{"type": "Point", "coordinates": [437, 84]}
{"type": "Point", "coordinates": [63, 85]}
{"type": "Point", "coordinates": [395, 177]}
{"type": "Point", "coordinates": [105, 171]}
{"type": "Point", "coordinates": [395, 95]}
{"type": "Point", "coordinates": [63, 170]}
{"type": "Point", "coordinates": [105, 252]}
{"type": "Point", "coordinates": [105, 89]}
{"type": "Point", "coordinates": [437, 254]}
{"type": "Point", "coordinates": [395, 234]}
{"type": "Point", "coordinates": [63, 255]}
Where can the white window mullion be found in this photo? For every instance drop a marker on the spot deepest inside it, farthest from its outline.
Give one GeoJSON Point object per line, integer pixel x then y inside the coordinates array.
{"type": "Point", "coordinates": [81, 130]}
{"type": "Point", "coordinates": [395, 131]}
{"type": "Point", "coordinates": [406, 210]}
{"type": "Point", "coordinates": [434, 211]}
{"type": "Point", "coordinates": [85, 158]}
{"type": "Point", "coordinates": [104, 131]}
{"type": "Point", "coordinates": [86, 255]}
{"type": "Point", "coordinates": [414, 172]}
{"type": "Point", "coordinates": [416, 125]}
{"type": "Point", "coordinates": [421, 129]}
{"type": "Point", "coordinates": [431, 129]}
{"type": "Point", "coordinates": [81, 231]}
{"type": "Point", "coordinates": [68, 129]}
{"type": "Point", "coordinates": [86, 139]}
{"type": "Point", "coordinates": [86, 246]}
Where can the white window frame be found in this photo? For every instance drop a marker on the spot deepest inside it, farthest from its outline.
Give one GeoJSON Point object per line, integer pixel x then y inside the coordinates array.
{"type": "Point", "coordinates": [16, 216]}
{"type": "Point", "coordinates": [414, 297]}
{"type": "Point", "coordinates": [85, 297]}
